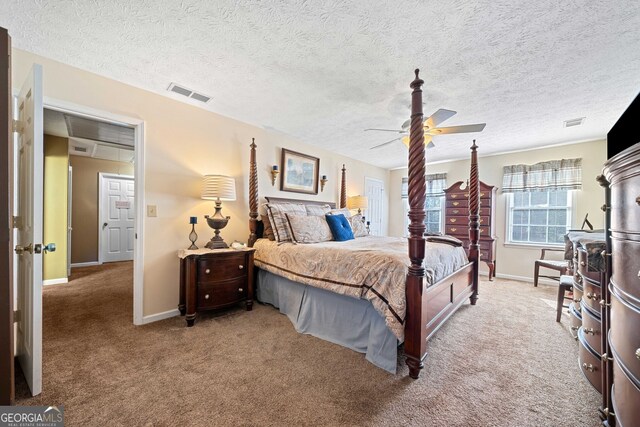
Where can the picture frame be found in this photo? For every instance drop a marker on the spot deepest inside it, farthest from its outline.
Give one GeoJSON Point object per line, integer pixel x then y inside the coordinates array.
{"type": "Point", "coordinates": [299, 172]}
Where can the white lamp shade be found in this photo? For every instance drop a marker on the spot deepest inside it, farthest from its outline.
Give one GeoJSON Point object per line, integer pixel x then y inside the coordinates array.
{"type": "Point", "coordinates": [218, 187]}
{"type": "Point", "coordinates": [357, 202]}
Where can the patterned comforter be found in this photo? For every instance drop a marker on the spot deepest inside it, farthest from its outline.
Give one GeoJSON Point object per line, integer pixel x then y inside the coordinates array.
{"type": "Point", "coordinates": [372, 268]}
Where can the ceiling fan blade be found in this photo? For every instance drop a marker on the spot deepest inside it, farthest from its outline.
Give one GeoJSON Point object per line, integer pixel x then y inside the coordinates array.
{"type": "Point", "coordinates": [438, 117]}
{"type": "Point", "coordinates": [385, 143]}
{"type": "Point", "coordinates": [387, 130]}
{"type": "Point", "coordinates": [458, 129]}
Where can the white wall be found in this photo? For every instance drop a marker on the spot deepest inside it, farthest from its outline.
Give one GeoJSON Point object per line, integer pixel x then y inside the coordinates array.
{"type": "Point", "coordinates": [182, 144]}
{"type": "Point", "coordinates": [512, 260]}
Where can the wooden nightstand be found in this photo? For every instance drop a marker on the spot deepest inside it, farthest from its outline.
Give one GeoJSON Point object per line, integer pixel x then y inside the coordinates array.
{"type": "Point", "coordinates": [212, 279]}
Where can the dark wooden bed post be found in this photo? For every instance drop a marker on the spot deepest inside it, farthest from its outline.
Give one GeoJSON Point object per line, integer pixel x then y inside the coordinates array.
{"type": "Point", "coordinates": [415, 340]}
{"type": "Point", "coordinates": [253, 195]}
{"type": "Point", "coordinates": [474, 220]}
{"type": "Point", "coordinates": [343, 188]}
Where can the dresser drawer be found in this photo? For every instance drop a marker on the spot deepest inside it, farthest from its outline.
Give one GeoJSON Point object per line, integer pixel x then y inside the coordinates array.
{"type": "Point", "coordinates": [464, 220]}
{"type": "Point", "coordinates": [459, 203]}
{"type": "Point", "coordinates": [624, 334]}
{"type": "Point", "coordinates": [592, 328]}
{"type": "Point", "coordinates": [213, 295]}
{"type": "Point", "coordinates": [626, 265]}
{"type": "Point", "coordinates": [625, 210]}
{"type": "Point", "coordinates": [625, 396]}
{"type": "Point", "coordinates": [577, 281]}
{"type": "Point", "coordinates": [576, 319]}
{"type": "Point", "coordinates": [583, 266]}
{"type": "Point", "coordinates": [592, 294]}
{"type": "Point", "coordinates": [589, 362]}
{"type": "Point", "coordinates": [221, 268]}
{"type": "Point", "coordinates": [465, 212]}
{"type": "Point", "coordinates": [463, 230]}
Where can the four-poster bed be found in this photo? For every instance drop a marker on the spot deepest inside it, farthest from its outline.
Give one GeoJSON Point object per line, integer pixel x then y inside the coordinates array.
{"type": "Point", "coordinates": [428, 300]}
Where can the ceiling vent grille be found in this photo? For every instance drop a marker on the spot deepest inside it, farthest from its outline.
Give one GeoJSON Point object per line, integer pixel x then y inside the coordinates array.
{"type": "Point", "coordinates": [181, 90]}
{"type": "Point", "coordinates": [573, 122]}
{"type": "Point", "coordinates": [81, 149]}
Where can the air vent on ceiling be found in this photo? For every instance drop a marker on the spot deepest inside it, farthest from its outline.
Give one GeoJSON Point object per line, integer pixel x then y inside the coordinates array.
{"type": "Point", "coordinates": [574, 122]}
{"type": "Point", "coordinates": [188, 93]}
{"type": "Point", "coordinates": [80, 149]}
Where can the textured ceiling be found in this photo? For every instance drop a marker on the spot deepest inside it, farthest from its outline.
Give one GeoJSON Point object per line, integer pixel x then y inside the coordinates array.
{"type": "Point", "coordinates": [324, 71]}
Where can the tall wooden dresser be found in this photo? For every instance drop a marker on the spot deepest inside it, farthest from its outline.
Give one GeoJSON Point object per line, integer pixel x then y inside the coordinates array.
{"type": "Point", "coordinates": [457, 219]}
{"type": "Point", "coordinates": [622, 171]}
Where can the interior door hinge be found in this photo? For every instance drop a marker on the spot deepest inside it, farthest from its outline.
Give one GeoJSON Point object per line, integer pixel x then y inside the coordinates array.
{"type": "Point", "coordinates": [15, 222]}
{"type": "Point", "coordinates": [17, 316]}
{"type": "Point", "coordinates": [17, 126]}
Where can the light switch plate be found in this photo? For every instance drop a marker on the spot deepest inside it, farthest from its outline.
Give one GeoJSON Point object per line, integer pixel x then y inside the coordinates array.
{"type": "Point", "coordinates": [152, 211]}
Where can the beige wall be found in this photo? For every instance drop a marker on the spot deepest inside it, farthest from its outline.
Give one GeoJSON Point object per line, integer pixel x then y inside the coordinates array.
{"type": "Point", "coordinates": [182, 143]}
{"type": "Point", "coordinates": [56, 169]}
{"type": "Point", "coordinates": [84, 204]}
{"type": "Point", "coordinates": [513, 260]}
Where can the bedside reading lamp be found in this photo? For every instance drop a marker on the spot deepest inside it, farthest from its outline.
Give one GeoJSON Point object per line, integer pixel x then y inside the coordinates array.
{"type": "Point", "coordinates": [358, 202]}
{"type": "Point", "coordinates": [218, 188]}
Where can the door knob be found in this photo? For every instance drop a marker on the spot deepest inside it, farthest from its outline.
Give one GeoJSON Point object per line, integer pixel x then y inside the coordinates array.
{"type": "Point", "coordinates": [22, 249]}
{"type": "Point", "coordinates": [105, 224]}
{"type": "Point", "coordinates": [49, 247]}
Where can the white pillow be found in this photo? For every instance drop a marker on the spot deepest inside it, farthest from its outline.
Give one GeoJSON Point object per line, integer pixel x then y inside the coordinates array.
{"type": "Point", "coordinates": [277, 216]}
{"type": "Point", "coordinates": [309, 229]}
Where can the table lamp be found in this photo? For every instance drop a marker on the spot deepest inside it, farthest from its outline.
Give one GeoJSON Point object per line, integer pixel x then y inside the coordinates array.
{"type": "Point", "coordinates": [358, 202]}
{"type": "Point", "coordinates": [218, 188]}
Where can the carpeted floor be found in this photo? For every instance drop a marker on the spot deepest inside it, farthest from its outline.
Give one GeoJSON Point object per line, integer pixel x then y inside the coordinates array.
{"type": "Point", "coordinates": [504, 362]}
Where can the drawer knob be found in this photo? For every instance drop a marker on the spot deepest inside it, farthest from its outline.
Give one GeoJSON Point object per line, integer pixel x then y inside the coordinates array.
{"type": "Point", "coordinates": [455, 203]}
{"type": "Point", "coordinates": [577, 301]}
{"type": "Point", "coordinates": [481, 194]}
{"type": "Point", "coordinates": [590, 331]}
{"type": "Point", "coordinates": [589, 367]}
{"type": "Point", "coordinates": [575, 328]}
{"type": "Point", "coordinates": [603, 303]}
{"type": "Point", "coordinates": [452, 219]}
{"type": "Point", "coordinates": [638, 353]}
{"type": "Point", "coordinates": [207, 271]}
{"type": "Point", "coordinates": [240, 267]}
{"type": "Point", "coordinates": [454, 196]}
{"type": "Point", "coordinates": [453, 230]}
{"type": "Point", "coordinates": [455, 211]}
{"type": "Point", "coordinates": [206, 296]}
{"type": "Point", "coordinates": [604, 208]}
{"type": "Point", "coordinates": [582, 263]}
{"type": "Point", "coordinates": [240, 289]}
{"type": "Point", "coordinates": [593, 295]}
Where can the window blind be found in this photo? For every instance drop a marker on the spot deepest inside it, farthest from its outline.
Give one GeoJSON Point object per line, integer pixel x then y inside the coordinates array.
{"type": "Point", "coordinates": [436, 184]}
{"type": "Point", "coordinates": [565, 174]}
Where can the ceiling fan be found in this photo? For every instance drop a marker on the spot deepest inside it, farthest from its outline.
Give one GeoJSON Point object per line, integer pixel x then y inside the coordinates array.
{"type": "Point", "coordinates": [430, 129]}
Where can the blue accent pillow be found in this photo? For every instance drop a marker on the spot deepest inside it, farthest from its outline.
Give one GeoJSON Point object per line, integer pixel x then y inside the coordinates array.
{"type": "Point", "coordinates": [340, 227]}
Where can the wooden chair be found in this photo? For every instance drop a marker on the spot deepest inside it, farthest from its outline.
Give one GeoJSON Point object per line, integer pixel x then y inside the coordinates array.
{"type": "Point", "coordinates": [566, 285]}
{"type": "Point", "coordinates": [561, 266]}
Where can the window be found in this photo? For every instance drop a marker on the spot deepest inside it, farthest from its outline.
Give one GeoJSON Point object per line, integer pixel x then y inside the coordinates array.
{"type": "Point", "coordinates": [539, 217]}
{"type": "Point", "coordinates": [434, 203]}
{"type": "Point", "coordinates": [539, 200]}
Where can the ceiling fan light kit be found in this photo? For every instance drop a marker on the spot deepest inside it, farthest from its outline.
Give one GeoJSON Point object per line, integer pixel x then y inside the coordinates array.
{"type": "Point", "coordinates": [430, 129]}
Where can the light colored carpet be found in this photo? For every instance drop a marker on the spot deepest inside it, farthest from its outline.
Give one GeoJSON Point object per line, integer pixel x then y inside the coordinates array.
{"type": "Point", "coordinates": [504, 362]}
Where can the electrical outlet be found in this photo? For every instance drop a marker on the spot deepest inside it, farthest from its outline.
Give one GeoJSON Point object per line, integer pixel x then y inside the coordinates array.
{"type": "Point", "coordinates": [152, 211]}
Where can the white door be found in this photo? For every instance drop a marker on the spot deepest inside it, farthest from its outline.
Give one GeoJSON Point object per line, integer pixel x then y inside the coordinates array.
{"type": "Point", "coordinates": [117, 218]}
{"type": "Point", "coordinates": [29, 224]}
{"type": "Point", "coordinates": [374, 190]}
{"type": "Point", "coordinates": [69, 218]}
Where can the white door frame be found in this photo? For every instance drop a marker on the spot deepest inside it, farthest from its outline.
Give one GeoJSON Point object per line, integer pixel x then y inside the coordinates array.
{"type": "Point", "coordinates": [69, 218]}
{"type": "Point", "coordinates": [101, 218]}
{"type": "Point", "coordinates": [139, 201]}
{"type": "Point", "coordinates": [382, 213]}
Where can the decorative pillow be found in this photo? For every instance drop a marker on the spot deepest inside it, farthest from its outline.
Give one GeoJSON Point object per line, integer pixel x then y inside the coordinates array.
{"type": "Point", "coordinates": [268, 230]}
{"type": "Point", "coordinates": [318, 210]}
{"type": "Point", "coordinates": [344, 211]}
{"type": "Point", "coordinates": [357, 226]}
{"type": "Point", "coordinates": [340, 228]}
{"type": "Point", "coordinates": [309, 229]}
{"type": "Point", "coordinates": [278, 220]}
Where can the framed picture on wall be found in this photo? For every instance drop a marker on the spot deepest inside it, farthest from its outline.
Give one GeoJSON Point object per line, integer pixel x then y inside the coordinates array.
{"type": "Point", "coordinates": [299, 172]}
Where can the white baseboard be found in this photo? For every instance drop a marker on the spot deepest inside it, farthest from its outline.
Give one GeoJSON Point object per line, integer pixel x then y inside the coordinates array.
{"type": "Point", "coordinates": [160, 316]}
{"type": "Point", "coordinates": [541, 280]}
{"type": "Point", "coordinates": [85, 264]}
{"type": "Point", "coordinates": [55, 281]}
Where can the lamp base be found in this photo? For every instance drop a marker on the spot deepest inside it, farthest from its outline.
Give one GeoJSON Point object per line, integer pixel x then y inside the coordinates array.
{"type": "Point", "coordinates": [216, 242]}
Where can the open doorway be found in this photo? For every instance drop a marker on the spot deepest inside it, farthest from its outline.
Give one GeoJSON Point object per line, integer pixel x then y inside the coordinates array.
{"type": "Point", "coordinates": [99, 224]}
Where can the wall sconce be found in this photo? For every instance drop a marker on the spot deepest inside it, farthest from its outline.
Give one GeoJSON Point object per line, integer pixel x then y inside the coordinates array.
{"type": "Point", "coordinates": [323, 181]}
{"type": "Point", "coordinates": [274, 174]}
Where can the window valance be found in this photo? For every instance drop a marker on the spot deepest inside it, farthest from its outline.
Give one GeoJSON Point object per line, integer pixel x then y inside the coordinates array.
{"type": "Point", "coordinates": [565, 174]}
{"type": "Point", "coordinates": [436, 184]}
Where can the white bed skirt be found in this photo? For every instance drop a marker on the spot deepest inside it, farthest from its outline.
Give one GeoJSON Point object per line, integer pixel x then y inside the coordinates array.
{"type": "Point", "coordinates": [340, 319]}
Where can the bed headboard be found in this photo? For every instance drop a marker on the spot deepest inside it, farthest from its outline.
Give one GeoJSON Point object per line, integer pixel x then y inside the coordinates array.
{"type": "Point", "coordinates": [256, 227]}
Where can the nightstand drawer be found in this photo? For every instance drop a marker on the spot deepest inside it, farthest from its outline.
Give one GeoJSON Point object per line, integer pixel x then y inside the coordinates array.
{"type": "Point", "coordinates": [212, 295]}
{"type": "Point", "coordinates": [221, 268]}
